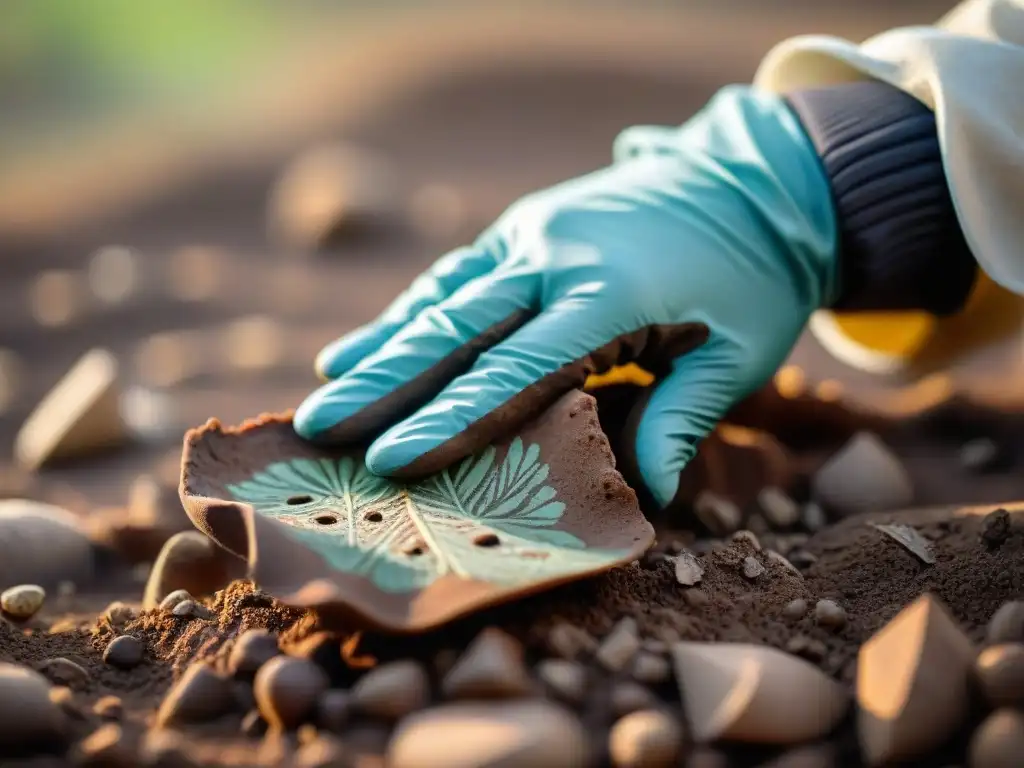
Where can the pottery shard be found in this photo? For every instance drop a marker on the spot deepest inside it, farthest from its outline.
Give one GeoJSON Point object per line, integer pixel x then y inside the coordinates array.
{"type": "Point", "coordinates": [491, 668]}
{"type": "Point", "coordinates": [863, 476]}
{"type": "Point", "coordinates": [528, 733]}
{"type": "Point", "coordinates": [999, 741]}
{"type": "Point", "coordinates": [201, 694]}
{"type": "Point", "coordinates": [81, 414]}
{"type": "Point", "coordinates": [913, 683]}
{"type": "Point", "coordinates": [755, 693]}
{"type": "Point", "coordinates": [42, 544]}
{"type": "Point", "coordinates": [193, 562]}
{"type": "Point", "coordinates": [392, 691]}
{"type": "Point", "coordinates": [28, 717]}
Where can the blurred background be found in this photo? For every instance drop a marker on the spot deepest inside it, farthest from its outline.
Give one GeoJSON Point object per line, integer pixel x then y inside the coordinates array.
{"type": "Point", "coordinates": [212, 191]}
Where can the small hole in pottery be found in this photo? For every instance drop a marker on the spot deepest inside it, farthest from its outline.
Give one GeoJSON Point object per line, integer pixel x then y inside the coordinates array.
{"type": "Point", "coordinates": [373, 516]}
{"type": "Point", "coordinates": [414, 548]}
{"type": "Point", "coordinates": [326, 519]}
{"type": "Point", "coordinates": [609, 496]}
{"type": "Point", "coordinates": [486, 540]}
{"type": "Point", "coordinates": [303, 499]}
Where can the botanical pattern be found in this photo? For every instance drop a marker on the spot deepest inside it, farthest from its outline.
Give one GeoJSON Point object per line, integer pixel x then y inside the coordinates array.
{"type": "Point", "coordinates": [483, 519]}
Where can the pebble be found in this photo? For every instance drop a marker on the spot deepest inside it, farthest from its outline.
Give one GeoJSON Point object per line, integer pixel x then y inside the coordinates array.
{"type": "Point", "coordinates": [752, 567]}
{"type": "Point", "coordinates": [863, 476]}
{"type": "Point", "coordinates": [333, 710]}
{"type": "Point", "coordinates": [999, 741]}
{"type": "Point", "coordinates": [287, 690]}
{"type": "Point", "coordinates": [778, 507]}
{"type": "Point", "coordinates": [913, 684]}
{"type": "Point", "coordinates": [169, 602]}
{"type": "Point", "coordinates": [570, 642]}
{"type": "Point", "coordinates": [252, 649]}
{"type": "Point", "coordinates": [813, 517]}
{"type": "Point", "coordinates": [807, 648]}
{"type": "Point", "coordinates": [109, 708]}
{"type": "Point", "coordinates": [80, 416]}
{"type": "Point", "coordinates": [718, 514]}
{"type": "Point", "coordinates": [528, 732]}
{"type": "Point", "coordinates": [200, 694]}
{"type": "Point", "coordinates": [65, 672]}
{"type": "Point", "coordinates": [1006, 624]}
{"type": "Point", "coordinates": [645, 739]}
{"type": "Point", "coordinates": [28, 717]}
{"type": "Point", "coordinates": [118, 614]}
{"type": "Point", "coordinates": [650, 668]}
{"type": "Point", "coordinates": [567, 680]}
{"type": "Point", "coordinates": [628, 696]}
{"type": "Point", "coordinates": [829, 614]}
{"type": "Point", "coordinates": [1000, 671]}
{"type": "Point", "coordinates": [391, 691]}
{"type": "Point", "coordinates": [795, 609]}
{"type": "Point", "coordinates": [619, 646]}
{"type": "Point", "coordinates": [190, 561]}
{"type": "Point", "coordinates": [491, 668]}
{"type": "Point", "coordinates": [192, 610]}
{"type": "Point", "coordinates": [755, 694]}
{"type": "Point", "coordinates": [42, 544]}
{"type": "Point", "coordinates": [981, 455]}
{"type": "Point", "coordinates": [104, 748]}
{"type": "Point", "coordinates": [689, 571]}
{"type": "Point", "coordinates": [23, 601]}
{"type": "Point", "coordinates": [124, 652]}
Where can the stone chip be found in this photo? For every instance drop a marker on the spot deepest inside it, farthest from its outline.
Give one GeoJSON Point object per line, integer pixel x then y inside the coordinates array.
{"type": "Point", "coordinates": [491, 668]}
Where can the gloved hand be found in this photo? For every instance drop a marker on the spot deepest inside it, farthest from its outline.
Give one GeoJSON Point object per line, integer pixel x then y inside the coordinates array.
{"type": "Point", "coordinates": [699, 254]}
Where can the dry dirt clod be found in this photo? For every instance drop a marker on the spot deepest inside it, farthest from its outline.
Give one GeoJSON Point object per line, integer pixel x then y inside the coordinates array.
{"type": "Point", "coordinates": [645, 739]}
{"type": "Point", "coordinates": [570, 642]}
{"type": "Point", "coordinates": [391, 691]}
{"type": "Point", "coordinates": [65, 672]}
{"type": "Point", "coordinates": [104, 748]}
{"type": "Point", "coordinates": [200, 694]}
{"type": "Point", "coordinates": [755, 693]}
{"type": "Point", "coordinates": [619, 646]}
{"type": "Point", "coordinates": [189, 561]}
{"type": "Point", "coordinates": [28, 717]}
{"type": "Point", "coordinates": [717, 513]}
{"type": "Point", "coordinates": [109, 708]}
{"type": "Point", "coordinates": [1000, 672]}
{"type": "Point", "coordinates": [23, 601]}
{"type": "Point", "coordinates": [995, 528]}
{"type": "Point", "coordinates": [567, 680]}
{"type": "Point", "coordinates": [42, 544]}
{"type": "Point", "coordinates": [124, 652]}
{"type": "Point", "coordinates": [252, 649]}
{"type": "Point", "coordinates": [531, 733]}
{"type": "Point", "coordinates": [689, 571]}
{"type": "Point", "coordinates": [778, 507]}
{"type": "Point", "coordinates": [287, 690]}
{"type": "Point", "coordinates": [829, 614]}
{"type": "Point", "coordinates": [863, 476]}
{"type": "Point", "coordinates": [752, 568]}
{"type": "Point", "coordinates": [913, 683]}
{"type": "Point", "coordinates": [628, 696]}
{"type": "Point", "coordinates": [795, 610]}
{"type": "Point", "coordinates": [650, 668]}
{"type": "Point", "coordinates": [333, 710]}
{"type": "Point", "coordinates": [999, 741]}
{"type": "Point", "coordinates": [1006, 624]}
{"type": "Point", "coordinates": [491, 668]}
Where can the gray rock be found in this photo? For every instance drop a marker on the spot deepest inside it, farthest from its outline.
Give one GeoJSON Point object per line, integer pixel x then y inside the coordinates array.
{"type": "Point", "coordinates": [752, 567]}
{"type": "Point", "coordinates": [645, 739]}
{"type": "Point", "coordinates": [829, 614]}
{"type": "Point", "coordinates": [63, 671]}
{"type": "Point", "coordinates": [23, 601]}
{"type": "Point", "coordinates": [170, 602]}
{"type": "Point", "coordinates": [863, 476]}
{"type": "Point", "coordinates": [567, 680]}
{"type": "Point", "coordinates": [28, 718]}
{"type": "Point", "coordinates": [620, 645]}
{"type": "Point", "coordinates": [689, 571]}
{"type": "Point", "coordinates": [124, 652]}
{"type": "Point", "coordinates": [778, 507]}
{"type": "Point", "coordinates": [392, 691]}
{"type": "Point", "coordinates": [795, 610]}
{"type": "Point", "coordinates": [287, 690]}
{"type": "Point", "coordinates": [814, 517]}
{"type": "Point", "coordinates": [333, 710]}
{"type": "Point", "coordinates": [199, 695]}
{"type": "Point", "coordinates": [650, 668]}
{"type": "Point", "coordinates": [491, 668]}
{"type": "Point", "coordinates": [252, 649]}
{"type": "Point", "coordinates": [1007, 623]}
{"type": "Point", "coordinates": [629, 696]}
{"type": "Point", "coordinates": [718, 514]}
{"type": "Point", "coordinates": [42, 544]}
{"type": "Point", "coordinates": [999, 741]}
{"type": "Point", "coordinates": [999, 670]}
{"type": "Point", "coordinates": [569, 641]}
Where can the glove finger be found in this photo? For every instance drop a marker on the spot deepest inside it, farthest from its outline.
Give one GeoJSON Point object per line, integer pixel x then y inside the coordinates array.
{"type": "Point", "coordinates": [418, 360]}
{"type": "Point", "coordinates": [643, 140]}
{"type": "Point", "coordinates": [441, 280]}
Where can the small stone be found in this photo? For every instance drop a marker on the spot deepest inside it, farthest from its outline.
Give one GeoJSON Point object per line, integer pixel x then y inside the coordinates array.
{"type": "Point", "coordinates": [981, 455]}
{"type": "Point", "coordinates": [287, 690]}
{"type": "Point", "coordinates": [752, 567]}
{"type": "Point", "coordinates": [42, 544]}
{"type": "Point", "coordinates": [863, 476]}
{"type": "Point", "coordinates": [650, 669]}
{"type": "Point", "coordinates": [170, 601]}
{"type": "Point", "coordinates": [774, 557]}
{"type": "Point", "coordinates": [23, 601]}
{"type": "Point", "coordinates": [1000, 671]}
{"type": "Point", "coordinates": [628, 696]}
{"type": "Point", "coordinates": [190, 609]}
{"type": "Point", "coordinates": [570, 642]}
{"type": "Point", "coordinates": [190, 561]}
{"type": "Point", "coordinates": [529, 732]}
{"type": "Point", "coordinates": [913, 684]}
{"type": "Point", "coordinates": [491, 668]}
{"type": "Point", "coordinates": [391, 691]}
{"type": "Point", "coordinates": [778, 507]}
{"type": "Point", "coordinates": [619, 646]}
{"type": "Point", "coordinates": [718, 514]}
{"type": "Point", "coordinates": [749, 538]}
{"type": "Point", "coordinates": [995, 528]}
{"type": "Point", "coordinates": [689, 571]}
{"type": "Point", "coordinates": [999, 741]}
{"type": "Point", "coordinates": [333, 710]}
{"type": "Point", "coordinates": [323, 751]}
{"type": "Point", "coordinates": [124, 652]}
{"type": "Point", "coordinates": [567, 680]}
{"type": "Point", "coordinates": [795, 610]}
{"type": "Point", "coordinates": [813, 517]}
{"type": "Point", "coordinates": [109, 708]}
{"type": "Point", "coordinates": [105, 748]}
{"type": "Point", "coordinates": [253, 725]}
{"type": "Point", "coordinates": [28, 717]}
{"type": "Point", "coordinates": [65, 672]}
{"type": "Point", "coordinates": [645, 739]}
{"type": "Point", "coordinates": [118, 614]}
{"type": "Point", "coordinates": [696, 598]}
{"type": "Point", "coordinates": [1006, 624]}
{"type": "Point", "coordinates": [802, 559]}
{"type": "Point", "coordinates": [199, 695]}
{"type": "Point", "coordinates": [252, 649]}
{"type": "Point", "coordinates": [829, 614]}
{"type": "Point", "coordinates": [806, 648]}
{"type": "Point", "coordinates": [755, 694]}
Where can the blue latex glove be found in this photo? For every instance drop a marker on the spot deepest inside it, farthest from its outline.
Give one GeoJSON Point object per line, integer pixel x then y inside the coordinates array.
{"type": "Point", "coordinates": [699, 253]}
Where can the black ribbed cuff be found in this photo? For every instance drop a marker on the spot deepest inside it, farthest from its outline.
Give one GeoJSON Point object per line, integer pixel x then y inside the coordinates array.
{"type": "Point", "coordinates": [901, 246]}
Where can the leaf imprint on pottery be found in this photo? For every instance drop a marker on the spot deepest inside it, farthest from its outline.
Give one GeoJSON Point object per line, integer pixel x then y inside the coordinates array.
{"type": "Point", "coordinates": [483, 519]}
